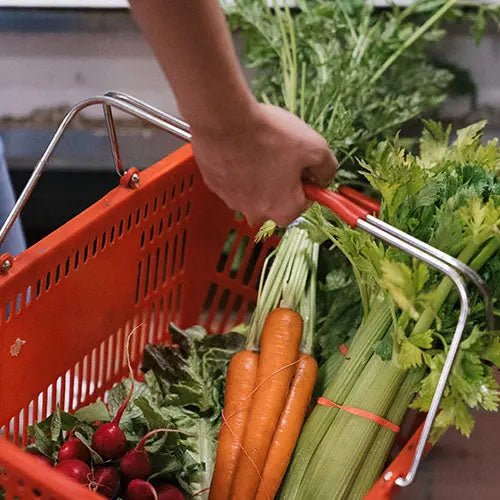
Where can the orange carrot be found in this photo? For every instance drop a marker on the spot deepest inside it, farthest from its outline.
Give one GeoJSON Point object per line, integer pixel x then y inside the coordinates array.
{"type": "Point", "coordinates": [241, 377]}
{"type": "Point", "coordinates": [289, 426]}
{"type": "Point", "coordinates": [280, 342]}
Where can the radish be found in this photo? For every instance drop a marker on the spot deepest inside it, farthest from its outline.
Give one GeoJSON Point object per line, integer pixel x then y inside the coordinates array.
{"type": "Point", "coordinates": [138, 489]}
{"type": "Point", "coordinates": [136, 464]}
{"type": "Point", "coordinates": [75, 469]}
{"type": "Point", "coordinates": [108, 440]}
{"type": "Point", "coordinates": [105, 480]}
{"type": "Point", "coordinates": [73, 448]}
{"type": "Point", "coordinates": [168, 492]}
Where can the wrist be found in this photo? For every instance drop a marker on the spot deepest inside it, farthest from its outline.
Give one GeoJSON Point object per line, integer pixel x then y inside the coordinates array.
{"type": "Point", "coordinates": [227, 112]}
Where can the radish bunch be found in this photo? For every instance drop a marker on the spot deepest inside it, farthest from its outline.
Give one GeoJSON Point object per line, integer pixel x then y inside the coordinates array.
{"type": "Point", "coordinates": [110, 442]}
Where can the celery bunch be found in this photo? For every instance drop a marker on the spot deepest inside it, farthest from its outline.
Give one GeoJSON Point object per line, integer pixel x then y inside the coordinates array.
{"type": "Point", "coordinates": [449, 195]}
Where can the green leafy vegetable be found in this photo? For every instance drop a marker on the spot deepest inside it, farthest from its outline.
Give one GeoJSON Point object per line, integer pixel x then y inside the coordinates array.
{"type": "Point", "coordinates": [183, 390]}
{"type": "Point", "coordinates": [448, 195]}
{"type": "Point", "coordinates": [338, 310]}
{"type": "Point", "coordinates": [352, 72]}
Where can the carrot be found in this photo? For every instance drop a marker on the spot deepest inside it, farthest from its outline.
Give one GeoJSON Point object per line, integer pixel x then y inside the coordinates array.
{"type": "Point", "coordinates": [289, 426]}
{"type": "Point", "coordinates": [299, 394]}
{"type": "Point", "coordinates": [241, 377]}
{"type": "Point", "coordinates": [280, 342]}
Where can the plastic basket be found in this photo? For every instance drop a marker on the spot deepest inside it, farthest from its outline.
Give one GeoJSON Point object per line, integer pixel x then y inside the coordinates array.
{"type": "Point", "coordinates": [148, 253]}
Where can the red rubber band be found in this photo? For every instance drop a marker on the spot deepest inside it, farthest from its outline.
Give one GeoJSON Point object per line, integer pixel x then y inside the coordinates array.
{"type": "Point", "coordinates": [200, 492]}
{"type": "Point", "coordinates": [361, 413]}
{"type": "Point", "coordinates": [343, 349]}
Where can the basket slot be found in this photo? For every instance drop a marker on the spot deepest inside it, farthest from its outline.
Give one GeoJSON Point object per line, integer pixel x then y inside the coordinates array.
{"type": "Point", "coordinates": [156, 268]}
{"type": "Point", "coordinates": [231, 312]}
{"type": "Point", "coordinates": [70, 388]}
{"type": "Point", "coordinates": [93, 372]}
{"type": "Point", "coordinates": [147, 270]}
{"type": "Point", "coordinates": [242, 258]}
{"type": "Point", "coordinates": [216, 323]}
{"type": "Point", "coordinates": [161, 324]}
{"type": "Point", "coordinates": [227, 249]}
{"type": "Point", "coordinates": [212, 307]}
{"type": "Point", "coordinates": [252, 273]}
{"type": "Point", "coordinates": [239, 253]}
{"type": "Point", "coordinates": [174, 255]}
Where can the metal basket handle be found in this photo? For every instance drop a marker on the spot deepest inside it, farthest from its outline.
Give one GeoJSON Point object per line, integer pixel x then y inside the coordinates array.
{"type": "Point", "coordinates": [123, 102]}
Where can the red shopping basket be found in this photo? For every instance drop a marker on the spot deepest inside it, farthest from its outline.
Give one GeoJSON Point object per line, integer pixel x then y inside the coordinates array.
{"type": "Point", "coordinates": [158, 248]}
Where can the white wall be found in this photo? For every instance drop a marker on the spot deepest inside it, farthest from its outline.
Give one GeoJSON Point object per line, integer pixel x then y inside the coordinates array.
{"type": "Point", "coordinates": [40, 70]}
{"type": "Point", "coordinates": [44, 69]}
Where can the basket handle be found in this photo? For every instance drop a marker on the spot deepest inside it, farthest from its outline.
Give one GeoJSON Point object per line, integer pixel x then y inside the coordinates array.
{"type": "Point", "coordinates": [123, 102]}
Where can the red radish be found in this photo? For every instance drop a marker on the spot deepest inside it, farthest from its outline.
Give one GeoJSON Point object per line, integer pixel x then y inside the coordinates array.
{"type": "Point", "coordinates": [168, 492]}
{"type": "Point", "coordinates": [136, 464]}
{"type": "Point", "coordinates": [73, 448]}
{"type": "Point", "coordinates": [75, 469]}
{"type": "Point", "coordinates": [108, 439]}
{"type": "Point", "coordinates": [105, 480]}
{"type": "Point", "coordinates": [138, 489]}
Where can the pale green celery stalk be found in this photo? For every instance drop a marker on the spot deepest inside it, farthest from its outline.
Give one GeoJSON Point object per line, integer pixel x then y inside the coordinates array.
{"type": "Point", "coordinates": [337, 458]}
{"type": "Point", "coordinates": [372, 329]}
{"type": "Point", "coordinates": [344, 460]}
{"type": "Point", "coordinates": [373, 464]}
{"type": "Point", "coordinates": [321, 418]}
{"type": "Point", "coordinates": [327, 371]}
{"type": "Point", "coordinates": [425, 322]}
{"type": "Point", "coordinates": [489, 250]}
{"type": "Point", "coordinates": [442, 291]}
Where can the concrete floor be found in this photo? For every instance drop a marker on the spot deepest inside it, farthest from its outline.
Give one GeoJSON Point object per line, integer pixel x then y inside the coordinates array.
{"type": "Point", "coordinates": [460, 468]}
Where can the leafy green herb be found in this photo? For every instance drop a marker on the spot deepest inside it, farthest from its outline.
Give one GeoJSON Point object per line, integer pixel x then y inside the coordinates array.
{"type": "Point", "coordinates": [447, 195]}
{"type": "Point", "coordinates": [345, 67]}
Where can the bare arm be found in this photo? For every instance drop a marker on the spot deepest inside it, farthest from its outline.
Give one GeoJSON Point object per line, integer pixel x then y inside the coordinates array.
{"type": "Point", "coordinates": [253, 156]}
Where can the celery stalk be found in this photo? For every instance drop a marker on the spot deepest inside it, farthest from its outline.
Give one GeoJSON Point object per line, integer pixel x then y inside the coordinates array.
{"type": "Point", "coordinates": [327, 371]}
{"type": "Point", "coordinates": [373, 464]}
{"type": "Point", "coordinates": [322, 418]}
{"type": "Point", "coordinates": [372, 329]}
{"type": "Point", "coordinates": [339, 456]}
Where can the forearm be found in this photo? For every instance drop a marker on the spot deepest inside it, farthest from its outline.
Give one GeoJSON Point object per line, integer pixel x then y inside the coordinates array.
{"type": "Point", "coordinates": [193, 45]}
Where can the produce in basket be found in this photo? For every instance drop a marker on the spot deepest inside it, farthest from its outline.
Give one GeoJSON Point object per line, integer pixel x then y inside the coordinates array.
{"type": "Point", "coordinates": [180, 402]}
{"type": "Point", "coordinates": [448, 196]}
{"type": "Point", "coordinates": [265, 436]}
{"type": "Point", "coordinates": [355, 75]}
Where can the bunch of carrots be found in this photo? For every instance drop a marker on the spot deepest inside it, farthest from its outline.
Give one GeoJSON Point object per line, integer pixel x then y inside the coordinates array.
{"type": "Point", "coordinates": [269, 385]}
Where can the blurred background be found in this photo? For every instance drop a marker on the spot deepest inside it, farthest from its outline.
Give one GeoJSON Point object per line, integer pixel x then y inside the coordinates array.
{"type": "Point", "coordinates": [56, 52]}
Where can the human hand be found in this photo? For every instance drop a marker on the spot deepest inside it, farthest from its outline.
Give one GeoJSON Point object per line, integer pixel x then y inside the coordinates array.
{"type": "Point", "coordinates": [257, 165]}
